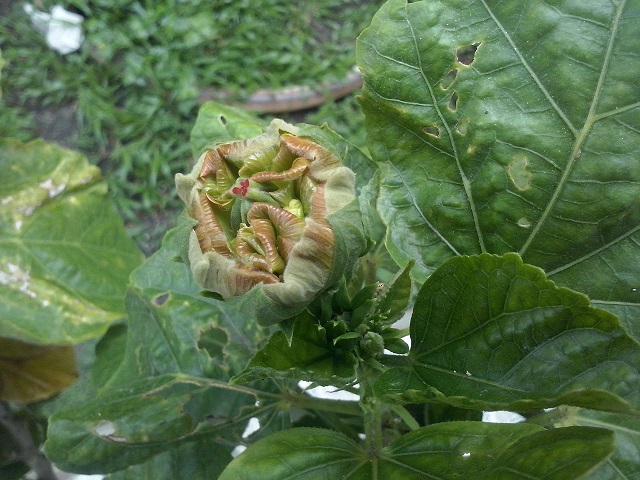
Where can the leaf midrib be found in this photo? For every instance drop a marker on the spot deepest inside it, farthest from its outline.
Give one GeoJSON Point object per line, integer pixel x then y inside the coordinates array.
{"type": "Point", "coordinates": [580, 135]}
{"type": "Point", "coordinates": [465, 180]}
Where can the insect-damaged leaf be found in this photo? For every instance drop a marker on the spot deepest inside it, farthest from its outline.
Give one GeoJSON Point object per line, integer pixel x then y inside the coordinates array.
{"type": "Point", "coordinates": [511, 126]}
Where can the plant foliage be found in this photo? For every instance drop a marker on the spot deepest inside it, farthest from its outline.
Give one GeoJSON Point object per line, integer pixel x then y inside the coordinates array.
{"type": "Point", "coordinates": [503, 179]}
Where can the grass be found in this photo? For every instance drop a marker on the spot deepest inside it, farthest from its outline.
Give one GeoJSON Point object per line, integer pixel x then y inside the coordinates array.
{"type": "Point", "coordinates": [135, 82]}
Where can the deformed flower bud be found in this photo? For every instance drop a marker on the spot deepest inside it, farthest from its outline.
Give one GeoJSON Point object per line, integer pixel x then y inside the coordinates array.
{"type": "Point", "coordinates": [264, 209]}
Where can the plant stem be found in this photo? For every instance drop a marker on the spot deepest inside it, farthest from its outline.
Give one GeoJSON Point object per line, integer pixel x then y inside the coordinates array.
{"type": "Point", "coordinates": [310, 403]}
{"type": "Point", "coordinates": [371, 409]}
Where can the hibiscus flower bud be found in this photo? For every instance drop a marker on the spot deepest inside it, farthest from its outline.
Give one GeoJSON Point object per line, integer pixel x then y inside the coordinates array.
{"type": "Point", "coordinates": [269, 212]}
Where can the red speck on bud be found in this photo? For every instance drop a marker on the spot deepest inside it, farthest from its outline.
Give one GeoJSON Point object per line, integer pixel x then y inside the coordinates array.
{"type": "Point", "coordinates": [242, 189]}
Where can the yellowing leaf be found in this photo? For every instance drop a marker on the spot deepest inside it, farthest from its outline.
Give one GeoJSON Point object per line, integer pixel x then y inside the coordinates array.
{"type": "Point", "coordinates": [29, 373]}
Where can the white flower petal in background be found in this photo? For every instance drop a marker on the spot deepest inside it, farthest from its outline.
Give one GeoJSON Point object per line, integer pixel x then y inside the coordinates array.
{"type": "Point", "coordinates": [62, 29]}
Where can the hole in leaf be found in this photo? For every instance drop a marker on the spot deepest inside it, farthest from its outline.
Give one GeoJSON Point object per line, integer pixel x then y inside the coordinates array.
{"type": "Point", "coordinates": [213, 340]}
{"type": "Point", "coordinates": [432, 130]}
{"type": "Point", "coordinates": [160, 300]}
{"type": "Point", "coordinates": [467, 53]}
{"type": "Point", "coordinates": [448, 79]}
{"type": "Point", "coordinates": [453, 102]}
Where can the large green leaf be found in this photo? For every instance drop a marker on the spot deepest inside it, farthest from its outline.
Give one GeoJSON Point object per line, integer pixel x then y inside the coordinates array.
{"type": "Point", "coordinates": [559, 454]}
{"type": "Point", "coordinates": [445, 451]}
{"type": "Point", "coordinates": [197, 460]}
{"type": "Point", "coordinates": [156, 367]}
{"type": "Point", "coordinates": [125, 426]}
{"type": "Point", "coordinates": [531, 144]}
{"type": "Point", "coordinates": [492, 333]}
{"type": "Point", "coordinates": [625, 462]}
{"type": "Point", "coordinates": [65, 258]}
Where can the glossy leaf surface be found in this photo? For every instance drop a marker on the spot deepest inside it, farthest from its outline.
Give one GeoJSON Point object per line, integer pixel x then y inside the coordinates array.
{"type": "Point", "coordinates": [446, 451]}
{"type": "Point", "coordinates": [571, 452]}
{"type": "Point", "coordinates": [492, 333]}
{"type": "Point", "coordinates": [511, 126]}
{"type": "Point", "coordinates": [65, 258]}
{"type": "Point", "coordinates": [625, 461]}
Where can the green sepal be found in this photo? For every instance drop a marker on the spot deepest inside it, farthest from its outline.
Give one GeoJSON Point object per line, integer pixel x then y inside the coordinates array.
{"type": "Point", "coordinates": [366, 293]}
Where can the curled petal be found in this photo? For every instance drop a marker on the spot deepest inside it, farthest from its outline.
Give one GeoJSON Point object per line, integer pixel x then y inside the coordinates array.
{"type": "Point", "coordinates": [322, 161]}
{"type": "Point", "coordinates": [249, 257]}
{"type": "Point", "coordinates": [297, 169]}
{"type": "Point", "coordinates": [210, 164]}
{"type": "Point", "coordinates": [257, 162]}
{"type": "Point", "coordinates": [246, 279]}
{"type": "Point", "coordinates": [283, 159]}
{"type": "Point", "coordinates": [286, 223]}
{"type": "Point", "coordinates": [318, 236]}
{"type": "Point", "coordinates": [208, 229]}
{"type": "Point", "coordinates": [306, 188]}
{"type": "Point", "coordinates": [216, 177]}
{"type": "Point", "coordinates": [318, 205]}
{"type": "Point", "coordinates": [277, 230]}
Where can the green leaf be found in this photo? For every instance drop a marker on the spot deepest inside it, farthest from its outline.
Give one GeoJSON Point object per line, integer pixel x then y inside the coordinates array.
{"type": "Point", "coordinates": [175, 329]}
{"type": "Point", "coordinates": [198, 460]}
{"type": "Point", "coordinates": [571, 452]}
{"type": "Point", "coordinates": [625, 462]}
{"type": "Point", "coordinates": [300, 453]}
{"type": "Point", "coordinates": [218, 123]}
{"type": "Point", "coordinates": [530, 144]}
{"type": "Point", "coordinates": [447, 450]}
{"type": "Point", "coordinates": [29, 372]}
{"type": "Point", "coordinates": [310, 356]}
{"type": "Point", "coordinates": [149, 376]}
{"type": "Point", "coordinates": [130, 425]}
{"type": "Point", "coordinates": [394, 299]}
{"type": "Point", "coordinates": [492, 333]}
{"type": "Point", "coordinates": [65, 258]}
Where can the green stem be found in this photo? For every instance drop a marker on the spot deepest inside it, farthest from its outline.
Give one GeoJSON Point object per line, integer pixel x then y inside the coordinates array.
{"type": "Point", "coordinates": [405, 416]}
{"type": "Point", "coordinates": [395, 361]}
{"type": "Point", "coordinates": [370, 268]}
{"type": "Point", "coordinates": [311, 403]}
{"type": "Point", "coordinates": [371, 409]}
